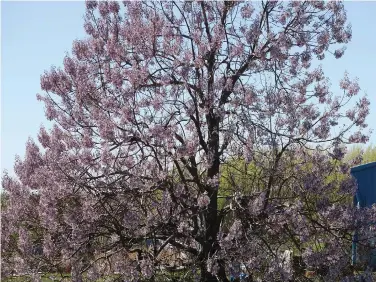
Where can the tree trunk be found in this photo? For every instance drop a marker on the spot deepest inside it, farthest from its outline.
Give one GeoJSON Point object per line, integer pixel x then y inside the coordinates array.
{"type": "Point", "coordinates": [210, 244]}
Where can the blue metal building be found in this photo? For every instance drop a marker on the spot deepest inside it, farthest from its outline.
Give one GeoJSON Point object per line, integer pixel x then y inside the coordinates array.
{"type": "Point", "coordinates": [365, 176]}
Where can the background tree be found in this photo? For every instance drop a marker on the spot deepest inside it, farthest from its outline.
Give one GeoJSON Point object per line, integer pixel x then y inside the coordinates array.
{"type": "Point", "coordinates": [368, 153]}
{"type": "Point", "coordinates": [145, 111]}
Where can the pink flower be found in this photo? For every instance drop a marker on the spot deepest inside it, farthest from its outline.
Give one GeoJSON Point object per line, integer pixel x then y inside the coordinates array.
{"type": "Point", "coordinates": [91, 5]}
{"type": "Point", "coordinates": [113, 7]}
{"type": "Point", "coordinates": [103, 8]}
{"type": "Point", "coordinates": [203, 200]}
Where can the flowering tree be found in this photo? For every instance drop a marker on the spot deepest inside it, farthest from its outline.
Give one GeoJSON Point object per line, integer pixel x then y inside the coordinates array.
{"type": "Point", "coordinates": [148, 109]}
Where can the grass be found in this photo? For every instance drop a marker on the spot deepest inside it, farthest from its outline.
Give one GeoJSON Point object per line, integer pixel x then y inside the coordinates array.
{"type": "Point", "coordinates": [48, 277]}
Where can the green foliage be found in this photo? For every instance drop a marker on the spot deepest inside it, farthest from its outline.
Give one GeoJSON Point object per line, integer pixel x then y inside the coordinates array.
{"type": "Point", "coordinates": [46, 277]}
{"type": "Point", "coordinates": [246, 178]}
{"type": "Point", "coordinates": [3, 200]}
{"type": "Point", "coordinates": [238, 176]}
{"type": "Point", "coordinates": [368, 154]}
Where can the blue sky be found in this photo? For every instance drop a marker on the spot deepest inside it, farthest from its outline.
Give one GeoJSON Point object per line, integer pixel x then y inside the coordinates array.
{"type": "Point", "coordinates": [36, 35]}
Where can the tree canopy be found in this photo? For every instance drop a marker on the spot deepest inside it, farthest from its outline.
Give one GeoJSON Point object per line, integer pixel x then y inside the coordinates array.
{"type": "Point", "coordinates": [149, 112]}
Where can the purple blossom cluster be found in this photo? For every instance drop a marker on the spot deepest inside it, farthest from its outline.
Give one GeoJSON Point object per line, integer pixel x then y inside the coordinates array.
{"type": "Point", "coordinates": [197, 131]}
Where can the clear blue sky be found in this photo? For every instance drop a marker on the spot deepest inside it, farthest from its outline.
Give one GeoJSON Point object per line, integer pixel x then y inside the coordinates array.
{"type": "Point", "coordinates": [36, 35]}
